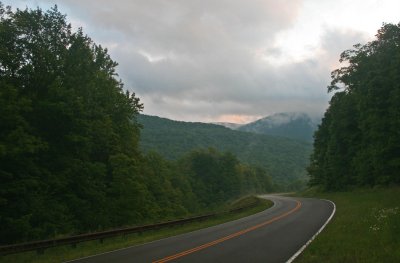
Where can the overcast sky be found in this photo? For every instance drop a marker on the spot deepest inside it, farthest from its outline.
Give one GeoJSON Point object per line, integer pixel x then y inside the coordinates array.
{"type": "Point", "coordinates": [226, 60]}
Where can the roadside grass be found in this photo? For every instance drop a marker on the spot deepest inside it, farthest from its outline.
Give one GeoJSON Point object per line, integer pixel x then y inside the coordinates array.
{"type": "Point", "coordinates": [65, 253]}
{"type": "Point", "coordinates": [365, 228]}
{"type": "Point", "coordinates": [244, 201]}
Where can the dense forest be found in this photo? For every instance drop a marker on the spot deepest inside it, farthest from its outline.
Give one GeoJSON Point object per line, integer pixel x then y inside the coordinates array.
{"type": "Point", "coordinates": [358, 142]}
{"type": "Point", "coordinates": [69, 155]}
{"type": "Point", "coordinates": [285, 159]}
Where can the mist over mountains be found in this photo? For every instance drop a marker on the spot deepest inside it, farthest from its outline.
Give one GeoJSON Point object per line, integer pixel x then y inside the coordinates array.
{"type": "Point", "coordinates": [295, 125]}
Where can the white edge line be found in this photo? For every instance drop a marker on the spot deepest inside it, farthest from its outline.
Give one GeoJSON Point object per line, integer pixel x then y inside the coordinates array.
{"type": "Point", "coordinates": [315, 235]}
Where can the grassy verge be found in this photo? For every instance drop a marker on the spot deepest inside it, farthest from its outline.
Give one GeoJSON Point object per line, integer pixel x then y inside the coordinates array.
{"type": "Point", "coordinates": [64, 253]}
{"type": "Point", "coordinates": [365, 228]}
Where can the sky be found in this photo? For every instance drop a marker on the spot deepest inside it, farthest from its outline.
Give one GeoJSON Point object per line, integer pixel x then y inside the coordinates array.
{"type": "Point", "coordinates": [226, 60]}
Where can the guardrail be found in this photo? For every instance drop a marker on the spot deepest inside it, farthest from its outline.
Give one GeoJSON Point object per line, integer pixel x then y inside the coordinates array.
{"type": "Point", "coordinates": [40, 246]}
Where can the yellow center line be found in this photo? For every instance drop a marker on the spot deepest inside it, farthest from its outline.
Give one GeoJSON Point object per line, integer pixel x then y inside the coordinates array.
{"type": "Point", "coordinates": [244, 231]}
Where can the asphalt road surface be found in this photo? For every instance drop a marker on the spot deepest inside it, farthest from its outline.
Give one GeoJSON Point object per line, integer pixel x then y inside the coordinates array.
{"type": "Point", "coordinates": [273, 235]}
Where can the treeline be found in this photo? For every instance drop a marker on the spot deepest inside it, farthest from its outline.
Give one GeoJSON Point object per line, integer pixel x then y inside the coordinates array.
{"type": "Point", "coordinates": [358, 142]}
{"type": "Point", "coordinates": [69, 157]}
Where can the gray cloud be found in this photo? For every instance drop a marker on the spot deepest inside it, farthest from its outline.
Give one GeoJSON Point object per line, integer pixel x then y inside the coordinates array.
{"type": "Point", "coordinates": [200, 59]}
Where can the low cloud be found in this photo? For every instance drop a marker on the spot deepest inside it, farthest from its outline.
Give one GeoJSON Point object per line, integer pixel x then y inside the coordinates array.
{"type": "Point", "coordinates": [204, 60]}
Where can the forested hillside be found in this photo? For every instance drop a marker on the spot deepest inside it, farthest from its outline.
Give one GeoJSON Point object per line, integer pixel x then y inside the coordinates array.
{"type": "Point", "coordinates": [69, 156]}
{"type": "Point", "coordinates": [358, 142]}
{"type": "Point", "coordinates": [293, 125]}
{"type": "Point", "coordinates": [285, 159]}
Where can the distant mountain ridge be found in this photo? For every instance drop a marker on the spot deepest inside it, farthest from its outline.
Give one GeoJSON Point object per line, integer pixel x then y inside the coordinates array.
{"type": "Point", "coordinates": [230, 125]}
{"type": "Point", "coordinates": [285, 159]}
{"type": "Point", "coordinates": [293, 125]}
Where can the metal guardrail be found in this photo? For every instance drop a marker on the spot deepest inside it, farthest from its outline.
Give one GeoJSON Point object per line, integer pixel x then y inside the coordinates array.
{"type": "Point", "coordinates": [40, 246]}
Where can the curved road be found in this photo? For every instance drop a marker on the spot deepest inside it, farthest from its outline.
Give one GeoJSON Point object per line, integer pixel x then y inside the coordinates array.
{"type": "Point", "coordinates": [273, 235]}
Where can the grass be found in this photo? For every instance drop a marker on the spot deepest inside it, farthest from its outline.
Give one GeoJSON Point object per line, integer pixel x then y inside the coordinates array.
{"type": "Point", "coordinates": [65, 253]}
{"type": "Point", "coordinates": [365, 228]}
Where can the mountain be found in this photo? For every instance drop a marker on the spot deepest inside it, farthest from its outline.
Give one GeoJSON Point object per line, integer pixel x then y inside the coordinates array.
{"type": "Point", "coordinates": [291, 125]}
{"type": "Point", "coordinates": [230, 125]}
{"type": "Point", "coordinates": [284, 158]}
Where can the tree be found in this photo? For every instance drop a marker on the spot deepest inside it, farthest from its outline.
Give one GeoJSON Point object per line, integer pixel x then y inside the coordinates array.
{"type": "Point", "coordinates": [358, 141]}
{"type": "Point", "coordinates": [69, 157]}
{"type": "Point", "coordinates": [64, 121]}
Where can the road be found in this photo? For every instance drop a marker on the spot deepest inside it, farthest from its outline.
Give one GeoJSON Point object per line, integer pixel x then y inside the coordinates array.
{"type": "Point", "coordinates": [273, 235]}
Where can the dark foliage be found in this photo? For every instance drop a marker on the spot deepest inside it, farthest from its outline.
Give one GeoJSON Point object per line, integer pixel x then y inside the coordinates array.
{"type": "Point", "coordinates": [358, 142]}
{"type": "Point", "coordinates": [69, 157]}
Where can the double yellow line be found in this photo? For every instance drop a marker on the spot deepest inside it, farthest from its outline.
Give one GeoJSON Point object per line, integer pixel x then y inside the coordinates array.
{"type": "Point", "coordinates": [220, 240]}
